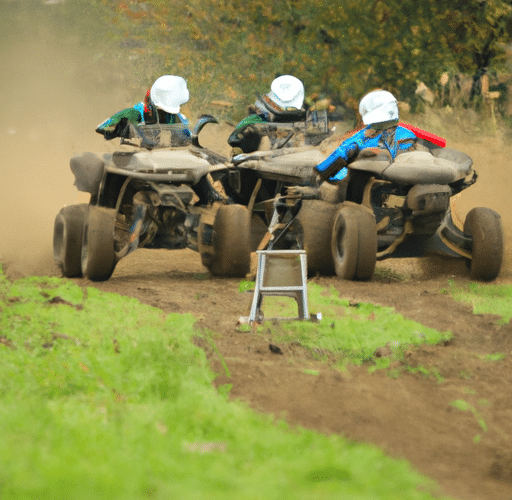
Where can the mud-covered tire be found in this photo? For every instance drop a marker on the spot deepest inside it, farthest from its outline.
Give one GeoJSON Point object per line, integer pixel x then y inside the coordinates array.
{"type": "Point", "coordinates": [485, 228]}
{"type": "Point", "coordinates": [231, 253]}
{"type": "Point", "coordinates": [316, 218]}
{"type": "Point", "coordinates": [258, 231]}
{"type": "Point", "coordinates": [67, 239]}
{"type": "Point", "coordinates": [98, 254]}
{"type": "Point", "coordinates": [354, 243]}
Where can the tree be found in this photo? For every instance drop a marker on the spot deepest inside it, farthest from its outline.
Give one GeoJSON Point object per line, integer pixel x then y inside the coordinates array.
{"type": "Point", "coordinates": [342, 47]}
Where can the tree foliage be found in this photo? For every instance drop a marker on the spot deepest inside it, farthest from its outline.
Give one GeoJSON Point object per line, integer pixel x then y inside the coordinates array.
{"type": "Point", "coordinates": [343, 48]}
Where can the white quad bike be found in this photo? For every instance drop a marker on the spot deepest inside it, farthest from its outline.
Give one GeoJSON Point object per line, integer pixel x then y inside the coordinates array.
{"type": "Point", "coordinates": [382, 209]}
{"type": "Point", "coordinates": [154, 193]}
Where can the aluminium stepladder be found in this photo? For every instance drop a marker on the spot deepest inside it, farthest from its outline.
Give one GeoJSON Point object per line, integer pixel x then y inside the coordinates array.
{"type": "Point", "coordinates": [280, 273]}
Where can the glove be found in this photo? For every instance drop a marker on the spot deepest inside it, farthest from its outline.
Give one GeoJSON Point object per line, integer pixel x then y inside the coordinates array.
{"type": "Point", "coordinates": [336, 166]}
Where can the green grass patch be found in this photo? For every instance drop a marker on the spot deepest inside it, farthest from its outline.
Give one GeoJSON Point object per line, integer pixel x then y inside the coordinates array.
{"type": "Point", "coordinates": [485, 299]}
{"type": "Point", "coordinates": [103, 397]}
{"type": "Point", "coordinates": [463, 405]}
{"type": "Point", "coordinates": [350, 332]}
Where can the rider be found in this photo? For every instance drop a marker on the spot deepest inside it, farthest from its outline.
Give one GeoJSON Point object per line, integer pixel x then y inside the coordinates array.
{"type": "Point", "coordinates": [282, 104]}
{"type": "Point", "coordinates": [379, 111]}
{"type": "Point", "coordinates": [160, 105]}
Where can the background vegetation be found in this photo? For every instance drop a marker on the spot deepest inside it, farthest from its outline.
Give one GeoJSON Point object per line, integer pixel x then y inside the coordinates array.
{"type": "Point", "coordinates": [231, 50]}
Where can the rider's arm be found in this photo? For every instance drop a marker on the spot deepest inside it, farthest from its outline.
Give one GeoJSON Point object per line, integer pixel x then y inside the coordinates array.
{"type": "Point", "coordinates": [245, 136]}
{"type": "Point", "coordinates": [183, 119]}
{"type": "Point", "coordinates": [114, 126]}
{"type": "Point", "coordinates": [334, 165]}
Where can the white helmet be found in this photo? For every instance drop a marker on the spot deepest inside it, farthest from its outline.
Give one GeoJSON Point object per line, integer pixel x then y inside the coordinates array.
{"type": "Point", "coordinates": [287, 92]}
{"type": "Point", "coordinates": [169, 92]}
{"type": "Point", "coordinates": [378, 106]}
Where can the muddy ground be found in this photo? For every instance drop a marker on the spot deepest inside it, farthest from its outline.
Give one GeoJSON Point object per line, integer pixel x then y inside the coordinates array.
{"type": "Point", "coordinates": [410, 417]}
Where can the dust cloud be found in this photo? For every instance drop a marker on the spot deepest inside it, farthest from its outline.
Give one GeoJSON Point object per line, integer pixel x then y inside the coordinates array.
{"type": "Point", "coordinates": [492, 159]}
{"type": "Point", "coordinates": [55, 91]}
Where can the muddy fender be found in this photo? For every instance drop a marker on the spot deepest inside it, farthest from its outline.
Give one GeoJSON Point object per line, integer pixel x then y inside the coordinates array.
{"type": "Point", "coordinates": [88, 171]}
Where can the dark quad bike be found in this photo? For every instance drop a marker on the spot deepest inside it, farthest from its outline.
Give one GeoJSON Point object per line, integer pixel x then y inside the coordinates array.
{"type": "Point", "coordinates": [382, 209]}
{"type": "Point", "coordinates": [154, 193]}
{"type": "Point", "coordinates": [289, 159]}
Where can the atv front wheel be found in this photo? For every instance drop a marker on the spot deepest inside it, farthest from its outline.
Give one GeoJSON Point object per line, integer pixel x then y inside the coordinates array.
{"type": "Point", "coordinates": [231, 242]}
{"type": "Point", "coordinates": [354, 243]}
{"type": "Point", "coordinates": [485, 227]}
{"type": "Point", "coordinates": [67, 239]}
{"type": "Point", "coordinates": [98, 254]}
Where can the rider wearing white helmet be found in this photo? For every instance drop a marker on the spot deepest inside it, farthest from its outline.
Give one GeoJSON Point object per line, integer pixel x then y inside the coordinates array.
{"type": "Point", "coordinates": [287, 92]}
{"type": "Point", "coordinates": [168, 93]}
{"type": "Point", "coordinates": [379, 112]}
{"type": "Point", "coordinates": [283, 104]}
{"type": "Point", "coordinates": [160, 105]}
{"type": "Point", "coordinates": [379, 107]}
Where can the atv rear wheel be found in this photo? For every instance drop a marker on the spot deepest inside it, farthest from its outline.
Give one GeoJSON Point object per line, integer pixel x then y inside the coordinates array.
{"type": "Point", "coordinates": [316, 219]}
{"type": "Point", "coordinates": [354, 243]}
{"type": "Point", "coordinates": [485, 227]}
{"type": "Point", "coordinates": [98, 254]}
{"type": "Point", "coordinates": [67, 239]}
{"type": "Point", "coordinates": [231, 254]}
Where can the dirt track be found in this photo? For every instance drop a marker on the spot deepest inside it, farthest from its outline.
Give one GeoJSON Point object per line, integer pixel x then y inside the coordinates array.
{"type": "Point", "coordinates": [408, 417]}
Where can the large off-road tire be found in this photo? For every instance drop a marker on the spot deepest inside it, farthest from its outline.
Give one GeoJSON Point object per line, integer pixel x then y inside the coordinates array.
{"type": "Point", "coordinates": [231, 254]}
{"type": "Point", "coordinates": [485, 227]}
{"type": "Point", "coordinates": [258, 231]}
{"type": "Point", "coordinates": [316, 218]}
{"type": "Point", "coordinates": [67, 239]}
{"type": "Point", "coordinates": [354, 243]}
{"type": "Point", "coordinates": [98, 254]}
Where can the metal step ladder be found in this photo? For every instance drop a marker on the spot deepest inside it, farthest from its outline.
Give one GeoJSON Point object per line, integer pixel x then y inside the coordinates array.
{"type": "Point", "coordinates": [281, 273]}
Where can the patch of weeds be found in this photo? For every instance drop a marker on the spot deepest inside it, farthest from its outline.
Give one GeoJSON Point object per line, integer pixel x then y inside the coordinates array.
{"type": "Point", "coordinates": [243, 328]}
{"type": "Point", "coordinates": [427, 372]}
{"type": "Point", "coordinates": [497, 356]}
{"type": "Point", "coordinates": [485, 299]}
{"type": "Point", "coordinates": [463, 405]}
{"type": "Point", "coordinates": [394, 371]}
{"type": "Point", "coordinates": [209, 337]}
{"type": "Point", "coordinates": [348, 331]}
{"type": "Point", "coordinates": [308, 371]}
{"type": "Point", "coordinates": [245, 286]}
{"type": "Point", "coordinates": [381, 363]}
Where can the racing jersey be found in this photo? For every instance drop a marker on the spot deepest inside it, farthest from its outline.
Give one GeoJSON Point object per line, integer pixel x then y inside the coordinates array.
{"type": "Point", "coordinates": [394, 140]}
{"type": "Point", "coordinates": [137, 115]}
{"type": "Point", "coordinates": [247, 136]}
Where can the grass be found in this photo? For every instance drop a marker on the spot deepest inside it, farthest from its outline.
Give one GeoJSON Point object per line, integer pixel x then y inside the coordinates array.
{"type": "Point", "coordinates": [103, 397]}
{"type": "Point", "coordinates": [485, 299]}
{"type": "Point", "coordinates": [463, 405]}
{"type": "Point", "coordinates": [352, 333]}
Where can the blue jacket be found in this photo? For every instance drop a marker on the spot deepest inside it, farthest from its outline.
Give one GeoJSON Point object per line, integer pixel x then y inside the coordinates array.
{"type": "Point", "coordinates": [395, 140]}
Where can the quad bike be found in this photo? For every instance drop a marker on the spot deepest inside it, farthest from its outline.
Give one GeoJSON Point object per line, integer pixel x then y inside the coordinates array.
{"type": "Point", "coordinates": [382, 209]}
{"type": "Point", "coordinates": [291, 139]}
{"type": "Point", "coordinates": [155, 193]}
